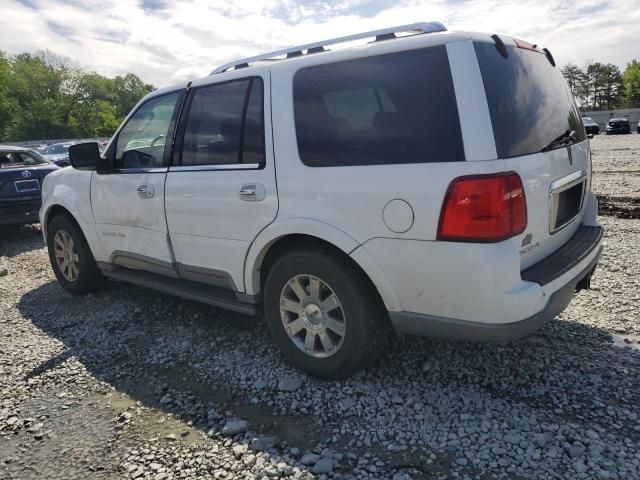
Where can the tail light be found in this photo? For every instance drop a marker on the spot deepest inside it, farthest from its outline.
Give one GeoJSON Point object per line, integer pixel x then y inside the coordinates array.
{"type": "Point", "coordinates": [483, 208]}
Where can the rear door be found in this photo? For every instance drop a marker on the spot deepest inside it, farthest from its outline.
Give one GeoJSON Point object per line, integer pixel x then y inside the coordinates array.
{"type": "Point", "coordinates": [128, 200]}
{"type": "Point", "coordinates": [538, 133]}
{"type": "Point", "coordinates": [221, 187]}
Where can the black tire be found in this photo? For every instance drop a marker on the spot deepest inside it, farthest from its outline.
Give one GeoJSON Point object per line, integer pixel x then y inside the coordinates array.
{"type": "Point", "coordinates": [367, 329]}
{"type": "Point", "coordinates": [88, 278]}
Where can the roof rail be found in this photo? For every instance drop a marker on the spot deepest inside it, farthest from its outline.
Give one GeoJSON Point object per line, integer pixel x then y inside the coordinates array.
{"type": "Point", "coordinates": [384, 34]}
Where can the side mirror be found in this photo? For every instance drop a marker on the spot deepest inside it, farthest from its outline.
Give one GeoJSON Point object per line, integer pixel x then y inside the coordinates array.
{"type": "Point", "coordinates": [84, 156]}
{"type": "Point", "coordinates": [590, 135]}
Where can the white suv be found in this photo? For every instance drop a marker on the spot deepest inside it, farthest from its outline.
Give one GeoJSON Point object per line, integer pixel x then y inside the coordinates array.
{"type": "Point", "coordinates": [434, 182]}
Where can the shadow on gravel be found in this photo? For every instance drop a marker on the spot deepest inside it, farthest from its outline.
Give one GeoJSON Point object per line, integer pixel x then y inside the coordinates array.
{"type": "Point", "coordinates": [198, 362]}
{"type": "Point", "coordinates": [621, 207]}
{"type": "Point", "coordinates": [18, 239]}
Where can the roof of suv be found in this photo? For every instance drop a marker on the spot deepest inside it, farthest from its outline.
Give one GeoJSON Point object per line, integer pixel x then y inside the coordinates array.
{"type": "Point", "coordinates": [381, 43]}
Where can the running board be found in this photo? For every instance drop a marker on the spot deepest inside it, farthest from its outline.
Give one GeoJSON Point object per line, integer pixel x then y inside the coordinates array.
{"type": "Point", "coordinates": [215, 296]}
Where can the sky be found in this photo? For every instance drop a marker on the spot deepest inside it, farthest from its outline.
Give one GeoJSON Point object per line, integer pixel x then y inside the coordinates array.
{"type": "Point", "coordinates": [168, 41]}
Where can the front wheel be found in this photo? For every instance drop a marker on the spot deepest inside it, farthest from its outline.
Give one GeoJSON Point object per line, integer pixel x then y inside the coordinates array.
{"type": "Point", "coordinates": [70, 256]}
{"type": "Point", "coordinates": [324, 314]}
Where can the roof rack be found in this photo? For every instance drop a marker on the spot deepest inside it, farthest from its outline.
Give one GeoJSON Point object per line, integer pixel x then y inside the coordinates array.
{"type": "Point", "coordinates": [384, 34]}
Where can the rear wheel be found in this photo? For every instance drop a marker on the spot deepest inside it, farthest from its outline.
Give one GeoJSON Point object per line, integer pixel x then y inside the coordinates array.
{"type": "Point", "coordinates": [70, 256]}
{"type": "Point", "coordinates": [324, 314]}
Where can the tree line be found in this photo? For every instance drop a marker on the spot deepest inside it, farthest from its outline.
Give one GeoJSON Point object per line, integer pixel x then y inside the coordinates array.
{"type": "Point", "coordinates": [600, 86]}
{"type": "Point", "coordinates": [44, 96]}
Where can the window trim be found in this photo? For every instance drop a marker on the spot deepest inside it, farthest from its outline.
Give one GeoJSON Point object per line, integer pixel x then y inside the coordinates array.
{"type": "Point", "coordinates": [176, 165]}
{"type": "Point", "coordinates": [110, 155]}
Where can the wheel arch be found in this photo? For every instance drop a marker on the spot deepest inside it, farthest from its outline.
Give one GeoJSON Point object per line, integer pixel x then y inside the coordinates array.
{"type": "Point", "coordinates": [273, 242]}
{"type": "Point", "coordinates": [56, 209]}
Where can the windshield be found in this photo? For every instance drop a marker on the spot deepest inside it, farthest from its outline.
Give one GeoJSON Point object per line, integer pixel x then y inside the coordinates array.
{"type": "Point", "coordinates": [529, 101]}
{"type": "Point", "coordinates": [57, 149]}
{"type": "Point", "coordinates": [19, 159]}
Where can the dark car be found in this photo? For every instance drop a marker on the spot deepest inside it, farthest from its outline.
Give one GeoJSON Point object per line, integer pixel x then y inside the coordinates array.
{"type": "Point", "coordinates": [638, 127]}
{"type": "Point", "coordinates": [58, 153]}
{"type": "Point", "coordinates": [590, 126]}
{"type": "Point", "coordinates": [618, 125]}
{"type": "Point", "coordinates": [21, 174]}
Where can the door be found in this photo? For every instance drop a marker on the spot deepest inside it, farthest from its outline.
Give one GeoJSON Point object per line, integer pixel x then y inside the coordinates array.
{"type": "Point", "coordinates": [221, 188]}
{"type": "Point", "coordinates": [128, 199]}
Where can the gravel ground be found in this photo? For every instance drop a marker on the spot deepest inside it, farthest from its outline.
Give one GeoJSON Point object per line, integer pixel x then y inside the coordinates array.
{"type": "Point", "coordinates": [128, 383]}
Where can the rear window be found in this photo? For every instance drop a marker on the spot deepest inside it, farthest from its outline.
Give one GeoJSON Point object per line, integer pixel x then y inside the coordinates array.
{"type": "Point", "coordinates": [529, 101]}
{"type": "Point", "coordinates": [387, 109]}
{"type": "Point", "coordinates": [19, 159]}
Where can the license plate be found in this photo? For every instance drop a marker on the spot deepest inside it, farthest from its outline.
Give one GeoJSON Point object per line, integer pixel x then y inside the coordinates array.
{"type": "Point", "coordinates": [566, 199]}
{"type": "Point", "coordinates": [23, 186]}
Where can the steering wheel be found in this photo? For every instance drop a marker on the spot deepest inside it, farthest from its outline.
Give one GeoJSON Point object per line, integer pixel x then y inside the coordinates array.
{"type": "Point", "coordinates": [153, 142]}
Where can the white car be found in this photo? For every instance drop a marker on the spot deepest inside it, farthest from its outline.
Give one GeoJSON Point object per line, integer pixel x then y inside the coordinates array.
{"type": "Point", "coordinates": [416, 182]}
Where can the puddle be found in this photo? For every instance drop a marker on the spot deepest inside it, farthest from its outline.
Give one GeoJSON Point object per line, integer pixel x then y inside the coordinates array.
{"type": "Point", "coordinates": [300, 431]}
{"type": "Point", "coordinates": [81, 434]}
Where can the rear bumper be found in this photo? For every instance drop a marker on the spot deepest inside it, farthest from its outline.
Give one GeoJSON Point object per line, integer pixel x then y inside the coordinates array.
{"type": "Point", "coordinates": [618, 131]}
{"type": "Point", "coordinates": [455, 329]}
{"type": "Point", "coordinates": [19, 212]}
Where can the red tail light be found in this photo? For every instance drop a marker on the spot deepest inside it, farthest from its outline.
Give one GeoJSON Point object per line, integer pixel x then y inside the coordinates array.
{"type": "Point", "coordinates": [483, 208]}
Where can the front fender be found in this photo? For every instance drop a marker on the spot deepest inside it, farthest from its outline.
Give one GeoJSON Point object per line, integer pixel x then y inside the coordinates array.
{"type": "Point", "coordinates": [70, 189]}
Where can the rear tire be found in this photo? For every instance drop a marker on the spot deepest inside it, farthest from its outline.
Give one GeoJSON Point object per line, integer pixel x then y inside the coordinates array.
{"type": "Point", "coordinates": [71, 258]}
{"type": "Point", "coordinates": [336, 322]}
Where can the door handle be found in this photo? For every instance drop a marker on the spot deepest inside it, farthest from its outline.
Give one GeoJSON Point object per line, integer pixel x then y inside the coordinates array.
{"type": "Point", "coordinates": [252, 192]}
{"type": "Point", "coordinates": [146, 191]}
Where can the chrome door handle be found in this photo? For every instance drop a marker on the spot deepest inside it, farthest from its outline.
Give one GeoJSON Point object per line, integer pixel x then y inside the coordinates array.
{"type": "Point", "coordinates": [146, 191]}
{"type": "Point", "coordinates": [252, 192]}
{"type": "Point", "coordinates": [248, 191]}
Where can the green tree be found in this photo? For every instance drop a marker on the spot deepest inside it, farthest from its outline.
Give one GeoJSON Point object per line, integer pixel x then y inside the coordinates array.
{"type": "Point", "coordinates": [603, 86]}
{"type": "Point", "coordinates": [128, 91]}
{"type": "Point", "coordinates": [631, 80]}
{"type": "Point", "coordinates": [44, 96]}
{"type": "Point", "coordinates": [8, 105]}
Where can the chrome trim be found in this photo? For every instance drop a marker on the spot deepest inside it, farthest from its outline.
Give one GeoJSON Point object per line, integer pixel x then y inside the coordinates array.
{"type": "Point", "coordinates": [415, 28]}
{"type": "Point", "coordinates": [198, 168]}
{"type": "Point", "coordinates": [567, 182]}
{"type": "Point", "coordinates": [558, 186]}
{"type": "Point", "coordinates": [134, 170]}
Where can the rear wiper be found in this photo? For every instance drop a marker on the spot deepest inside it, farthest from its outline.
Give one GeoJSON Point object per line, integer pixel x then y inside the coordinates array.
{"type": "Point", "coordinates": [566, 137]}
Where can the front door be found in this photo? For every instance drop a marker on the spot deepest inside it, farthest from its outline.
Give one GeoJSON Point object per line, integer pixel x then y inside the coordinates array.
{"type": "Point", "coordinates": [128, 199]}
{"type": "Point", "coordinates": [221, 188]}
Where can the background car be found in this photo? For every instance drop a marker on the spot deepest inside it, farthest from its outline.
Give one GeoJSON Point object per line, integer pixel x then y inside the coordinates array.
{"type": "Point", "coordinates": [58, 153]}
{"type": "Point", "coordinates": [618, 125]}
{"type": "Point", "coordinates": [638, 127]}
{"type": "Point", "coordinates": [590, 126]}
{"type": "Point", "coordinates": [21, 174]}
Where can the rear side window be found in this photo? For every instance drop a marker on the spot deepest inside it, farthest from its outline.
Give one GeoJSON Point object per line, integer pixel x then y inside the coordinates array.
{"type": "Point", "coordinates": [225, 124]}
{"type": "Point", "coordinates": [529, 101]}
{"type": "Point", "coordinates": [387, 109]}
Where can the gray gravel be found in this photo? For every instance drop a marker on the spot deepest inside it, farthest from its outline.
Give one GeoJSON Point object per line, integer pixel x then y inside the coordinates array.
{"type": "Point", "coordinates": [129, 383]}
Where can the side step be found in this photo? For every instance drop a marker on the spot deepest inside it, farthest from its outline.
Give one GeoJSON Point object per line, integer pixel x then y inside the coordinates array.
{"type": "Point", "coordinates": [218, 297]}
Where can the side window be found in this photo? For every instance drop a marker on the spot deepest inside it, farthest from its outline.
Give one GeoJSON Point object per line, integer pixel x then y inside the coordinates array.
{"type": "Point", "coordinates": [225, 124]}
{"type": "Point", "coordinates": [141, 141]}
{"type": "Point", "coordinates": [386, 109]}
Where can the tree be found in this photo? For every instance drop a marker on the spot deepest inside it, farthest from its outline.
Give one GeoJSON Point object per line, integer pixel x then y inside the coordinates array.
{"type": "Point", "coordinates": [631, 80]}
{"type": "Point", "coordinates": [129, 90]}
{"type": "Point", "coordinates": [45, 96]}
